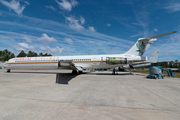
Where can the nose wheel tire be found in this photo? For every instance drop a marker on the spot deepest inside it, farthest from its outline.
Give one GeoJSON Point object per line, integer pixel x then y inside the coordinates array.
{"type": "Point", "coordinates": [114, 72]}
{"type": "Point", "coordinates": [80, 72]}
{"type": "Point", "coordinates": [74, 72]}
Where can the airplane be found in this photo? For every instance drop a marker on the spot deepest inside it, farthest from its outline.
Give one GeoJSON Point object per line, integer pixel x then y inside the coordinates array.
{"type": "Point", "coordinates": [82, 62]}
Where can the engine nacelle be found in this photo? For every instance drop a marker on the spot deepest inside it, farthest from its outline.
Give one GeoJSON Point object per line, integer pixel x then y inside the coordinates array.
{"type": "Point", "coordinates": [126, 66]}
{"type": "Point", "coordinates": [117, 60]}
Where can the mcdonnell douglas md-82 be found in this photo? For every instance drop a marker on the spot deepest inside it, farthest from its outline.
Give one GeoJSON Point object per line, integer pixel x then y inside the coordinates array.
{"type": "Point", "coordinates": [83, 62]}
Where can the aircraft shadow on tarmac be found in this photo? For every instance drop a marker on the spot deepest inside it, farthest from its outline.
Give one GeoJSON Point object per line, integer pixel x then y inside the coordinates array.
{"type": "Point", "coordinates": [64, 78]}
{"type": "Point", "coordinates": [115, 74]}
{"type": "Point", "coordinates": [61, 78]}
{"type": "Point", "coordinates": [35, 72]}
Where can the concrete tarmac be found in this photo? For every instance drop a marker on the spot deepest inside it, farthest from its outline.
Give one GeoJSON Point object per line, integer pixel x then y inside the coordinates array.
{"type": "Point", "coordinates": [35, 95]}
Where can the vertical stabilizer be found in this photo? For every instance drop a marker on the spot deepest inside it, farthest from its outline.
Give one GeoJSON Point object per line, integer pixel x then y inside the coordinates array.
{"type": "Point", "coordinates": [140, 46]}
{"type": "Point", "coordinates": [154, 57]}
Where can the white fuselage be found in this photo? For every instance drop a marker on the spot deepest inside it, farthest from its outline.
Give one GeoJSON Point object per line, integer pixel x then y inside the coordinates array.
{"type": "Point", "coordinates": [51, 62]}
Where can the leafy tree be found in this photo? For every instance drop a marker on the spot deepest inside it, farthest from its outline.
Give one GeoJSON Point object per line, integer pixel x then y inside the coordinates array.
{"type": "Point", "coordinates": [171, 63]}
{"type": "Point", "coordinates": [5, 55]}
{"type": "Point", "coordinates": [5, 58]}
{"type": "Point", "coordinates": [32, 54]}
{"type": "Point", "coordinates": [41, 54]}
{"type": "Point", "coordinates": [179, 65]}
{"type": "Point", "coordinates": [176, 62]}
{"type": "Point", "coordinates": [35, 54]}
{"type": "Point", "coordinates": [12, 56]}
{"type": "Point", "coordinates": [164, 64]}
{"type": "Point", "coordinates": [1, 53]}
{"type": "Point", "coordinates": [45, 54]}
{"type": "Point", "coordinates": [6, 52]}
{"type": "Point", "coordinates": [22, 54]}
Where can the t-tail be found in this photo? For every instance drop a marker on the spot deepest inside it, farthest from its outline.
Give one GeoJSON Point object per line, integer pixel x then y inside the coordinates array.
{"type": "Point", "coordinates": [143, 44]}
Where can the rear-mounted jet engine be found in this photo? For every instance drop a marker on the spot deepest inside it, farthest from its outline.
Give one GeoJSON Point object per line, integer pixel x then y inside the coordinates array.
{"type": "Point", "coordinates": [117, 60]}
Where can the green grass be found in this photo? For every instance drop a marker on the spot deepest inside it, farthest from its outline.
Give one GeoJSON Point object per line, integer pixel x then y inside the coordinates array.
{"type": "Point", "coordinates": [165, 73]}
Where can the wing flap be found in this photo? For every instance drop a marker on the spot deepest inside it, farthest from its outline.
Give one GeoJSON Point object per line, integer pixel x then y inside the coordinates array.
{"type": "Point", "coordinates": [79, 68]}
{"type": "Point", "coordinates": [64, 63]}
{"type": "Point", "coordinates": [70, 64]}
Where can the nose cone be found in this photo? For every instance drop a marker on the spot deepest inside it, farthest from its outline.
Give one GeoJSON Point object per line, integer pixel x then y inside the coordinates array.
{"type": "Point", "coordinates": [4, 66]}
{"type": "Point", "coordinates": [1, 65]}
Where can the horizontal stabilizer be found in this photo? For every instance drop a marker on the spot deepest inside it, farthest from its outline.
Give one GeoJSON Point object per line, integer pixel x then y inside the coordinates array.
{"type": "Point", "coordinates": [160, 35]}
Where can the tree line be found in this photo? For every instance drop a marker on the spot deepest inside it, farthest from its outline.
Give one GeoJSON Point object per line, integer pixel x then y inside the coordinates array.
{"type": "Point", "coordinates": [5, 55]}
{"type": "Point", "coordinates": [170, 64]}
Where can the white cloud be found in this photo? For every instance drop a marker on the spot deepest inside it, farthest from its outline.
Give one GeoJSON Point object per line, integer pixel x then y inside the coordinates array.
{"type": "Point", "coordinates": [17, 37]}
{"type": "Point", "coordinates": [68, 40]}
{"type": "Point", "coordinates": [28, 39]}
{"type": "Point", "coordinates": [155, 29]}
{"type": "Point", "coordinates": [66, 5]}
{"type": "Point", "coordinates": [46, 39]}
{"type": "Point", "coordinates": [51, 7]}
{"type": "Point", "coordinates": [7, 37]}
{"type": "Point", "coordinates": [74, 3]}
{"type": "Point", "coordinates": [23, 46]}
{"type": "Point", "coordinates": [91, 28]}
{"type": "Point", "coordinates": [109, 25]}
{"type": "Point", "coordinates": [82, 20]}
{"type": "Point", "coordinates": [143, 21]}
{"type": "Point", "coordinates": [0, 13]}
{"type": "Point", "coordinates": [3, 36]}
{"type": "Point", "coordinates": [108, 48]}
{"type": "Point", "coordinates": [52, 50]}
{"type": "Point", "coordinates": [27, 2]}
{"type": "Point", "coordinates": [138, 34]}
{"type": "Point", "coordinates": [14, 5]}
{"type": "Point", "coordinates": [173, 6]}
{"type": "Point", "coordinates": [58, 29]}
{"type": "Point", "coordinates": [74, 23]}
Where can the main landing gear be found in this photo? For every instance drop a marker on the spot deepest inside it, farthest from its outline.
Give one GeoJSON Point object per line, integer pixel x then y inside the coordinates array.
{"type": "Point", "coordinates": [74, 72]}
{"type": "Point", "coordinates": [8, 70]}
{"type": "Point", "coordinates": [114, 71]}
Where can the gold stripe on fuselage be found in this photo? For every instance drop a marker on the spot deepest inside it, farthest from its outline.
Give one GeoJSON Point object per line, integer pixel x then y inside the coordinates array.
{"type": "Point", "coordinates": [57, 62]}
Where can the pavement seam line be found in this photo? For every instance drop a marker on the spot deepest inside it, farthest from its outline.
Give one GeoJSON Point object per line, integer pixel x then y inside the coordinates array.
{"type": "Point", "coordinates": [161, 97]}
{"type": "Point", "coordinates": [74, 99]}
{"type": "Point", "coordinates": [86, 104]}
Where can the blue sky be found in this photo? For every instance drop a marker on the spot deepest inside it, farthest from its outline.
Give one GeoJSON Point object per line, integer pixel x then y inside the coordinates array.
{"type": "Point", "coordinates": [86, 27]}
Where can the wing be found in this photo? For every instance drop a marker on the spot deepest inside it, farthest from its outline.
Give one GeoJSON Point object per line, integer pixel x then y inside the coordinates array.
{"type": "Point", "coordinates": [68, 64]}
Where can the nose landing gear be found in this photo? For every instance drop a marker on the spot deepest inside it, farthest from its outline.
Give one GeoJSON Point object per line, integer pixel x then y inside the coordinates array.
{"type": "Point", "coordinates": [74, 72]}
